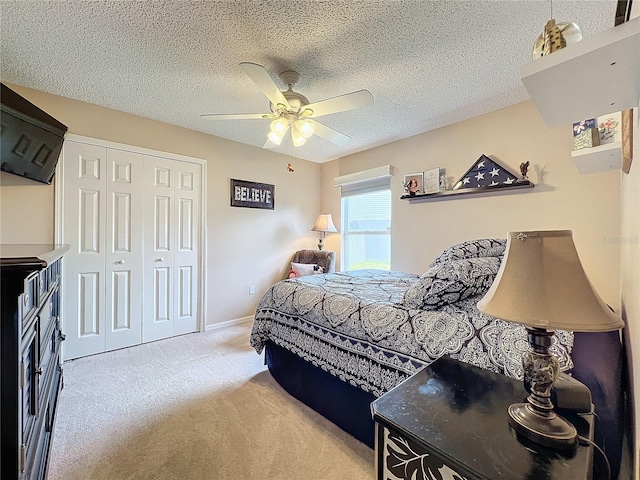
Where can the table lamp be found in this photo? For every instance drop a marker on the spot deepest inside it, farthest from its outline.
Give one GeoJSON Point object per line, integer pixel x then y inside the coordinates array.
{"type": "Point", "coordinates": [324, 224]}
{"type": "Point", "coordinates": [541, 284]}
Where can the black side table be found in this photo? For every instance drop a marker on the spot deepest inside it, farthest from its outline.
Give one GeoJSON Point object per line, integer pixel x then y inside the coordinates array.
{"type": "Point", "coordinates": [449, 421]}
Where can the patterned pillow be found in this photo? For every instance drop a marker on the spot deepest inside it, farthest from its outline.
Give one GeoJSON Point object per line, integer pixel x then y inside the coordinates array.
{"type": "Point", "coordinates": [451, 281]}
{"type": "Point", "coordinates": [483, 247]}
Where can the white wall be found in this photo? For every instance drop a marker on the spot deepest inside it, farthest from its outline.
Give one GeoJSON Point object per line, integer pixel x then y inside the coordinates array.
{"type": "Point", "coordinates": [245, 246]}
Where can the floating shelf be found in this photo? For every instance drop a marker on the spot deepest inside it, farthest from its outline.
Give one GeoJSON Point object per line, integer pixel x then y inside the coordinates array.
{"type": "Point", "coordinates": [598, 159]}
{"type": "Point", "coordinates": [593, 77]}
{"type": "Point", "coordinates": [450, 194]}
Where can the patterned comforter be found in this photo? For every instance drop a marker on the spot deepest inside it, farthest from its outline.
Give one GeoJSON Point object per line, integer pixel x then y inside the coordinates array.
{"type": "Point", "coordinates": [366, 327]}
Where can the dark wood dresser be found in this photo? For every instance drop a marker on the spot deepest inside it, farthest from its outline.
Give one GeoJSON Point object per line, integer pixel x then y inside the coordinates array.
{"type": "Point", "coordinates": [30, 369]}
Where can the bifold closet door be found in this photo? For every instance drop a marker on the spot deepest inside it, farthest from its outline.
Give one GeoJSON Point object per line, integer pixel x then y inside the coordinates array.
{"type": "Point", "coordinates": [102, 213]}
{"type": "Point", "coordinates": [171, 219]}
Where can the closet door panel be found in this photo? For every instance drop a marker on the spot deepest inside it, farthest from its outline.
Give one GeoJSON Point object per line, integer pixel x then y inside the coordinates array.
{"type": "Point", "coordinates": [172, 224]}
{"type": "Point", "coordinates": [84, 225]}
{"type": "Point", "coordinates": [123, 257]}
{"type": "Point", "coordinates": [159, 218]}
{"type": "Point", "coordinates": [187, 195]}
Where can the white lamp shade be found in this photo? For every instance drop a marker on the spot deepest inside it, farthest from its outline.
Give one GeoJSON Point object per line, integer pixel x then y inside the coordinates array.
{"type": "Point", "coordinates": [275, 138]}
{"type": "Point", "coordinates": [297, 137]}
{"type": "Point", "coordinates": [305, 127]}
{"type": "Point", "coordinates": [541, 283]}
{"type": "Point", "coordinates": [324, 223]}
{"type": "Point", "coordinates": [279, 126]}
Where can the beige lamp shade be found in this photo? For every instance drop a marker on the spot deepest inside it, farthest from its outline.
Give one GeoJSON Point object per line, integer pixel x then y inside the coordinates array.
{"type": "Point", "coordinates": [541, 283]}
{"type": "Point", "coordinates": [324, 223]}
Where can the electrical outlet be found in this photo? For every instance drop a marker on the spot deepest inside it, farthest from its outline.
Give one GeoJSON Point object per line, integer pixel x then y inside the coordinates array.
{"type": "Point", "coordinates": [252, 289]}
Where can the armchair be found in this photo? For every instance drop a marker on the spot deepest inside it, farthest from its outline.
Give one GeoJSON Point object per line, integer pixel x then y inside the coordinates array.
{"type": "Point", "coordinates": [323, 258]}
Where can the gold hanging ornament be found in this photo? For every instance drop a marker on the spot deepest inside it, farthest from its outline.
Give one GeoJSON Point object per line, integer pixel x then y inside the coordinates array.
{"type": "Point", "coordinates": [555, 36]}
{"type": "Point", "coordinates": [553, 39]}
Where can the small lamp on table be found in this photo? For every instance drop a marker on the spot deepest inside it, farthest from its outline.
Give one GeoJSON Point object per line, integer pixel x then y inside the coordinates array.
{"type": "Point", "coordinates": [324, 224]}
{"type": "Point", "coordinates": [541, 284]}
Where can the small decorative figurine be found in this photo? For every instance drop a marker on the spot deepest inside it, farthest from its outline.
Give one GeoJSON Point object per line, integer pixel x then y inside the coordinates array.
{"type": "Point", "coordinates": [524, 168]}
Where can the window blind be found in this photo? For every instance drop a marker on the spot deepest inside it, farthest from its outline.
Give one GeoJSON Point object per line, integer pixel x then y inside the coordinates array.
{"type": "Point", "coordinates": [366, 181]}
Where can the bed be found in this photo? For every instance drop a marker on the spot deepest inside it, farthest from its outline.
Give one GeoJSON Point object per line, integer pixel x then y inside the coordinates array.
{"type": "Point", "coordinates": [338, 341]}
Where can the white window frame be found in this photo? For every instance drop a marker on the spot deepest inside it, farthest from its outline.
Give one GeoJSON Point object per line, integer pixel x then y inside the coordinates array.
{"type": "Point", "coordinates": [368, 181]}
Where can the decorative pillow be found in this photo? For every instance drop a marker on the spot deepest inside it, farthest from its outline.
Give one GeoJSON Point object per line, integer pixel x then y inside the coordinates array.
{"type": "Point", "coordinates": [451, 281]}
{"type": "Point", "coordinates": [304, 268]}
{"type": "Point", "coordinates": [483, 247]}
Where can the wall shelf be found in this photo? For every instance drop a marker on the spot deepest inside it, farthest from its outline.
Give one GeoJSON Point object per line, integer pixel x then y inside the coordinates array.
{"type": "Point", "coordinates": [593, 77]}
{"type": "Point", "coordinates": [598, 159]}
{"type": "Point", "coordinates": [451, 194]}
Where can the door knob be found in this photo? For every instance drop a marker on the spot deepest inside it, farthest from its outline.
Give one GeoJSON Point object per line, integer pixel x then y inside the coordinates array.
{"type": "Point", "coordinates": [120, 262]}
{"type": "Point", "coordinates": [160, 259]}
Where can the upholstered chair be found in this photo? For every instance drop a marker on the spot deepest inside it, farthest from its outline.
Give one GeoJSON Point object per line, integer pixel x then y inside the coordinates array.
{"type": "Point", "coordinates": [323, 258]}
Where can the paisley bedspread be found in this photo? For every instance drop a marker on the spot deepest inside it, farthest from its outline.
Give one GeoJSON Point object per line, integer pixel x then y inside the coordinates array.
{"type": "Point", "coordinates": [360, 327]}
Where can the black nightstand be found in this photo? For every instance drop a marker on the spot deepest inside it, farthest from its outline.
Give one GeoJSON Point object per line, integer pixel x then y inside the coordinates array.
{"type": "Point", "coordinates": [451, 418]}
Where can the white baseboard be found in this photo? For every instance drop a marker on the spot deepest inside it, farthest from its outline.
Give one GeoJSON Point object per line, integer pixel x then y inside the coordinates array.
{"type": "Point", "coordinates": [228, 323]}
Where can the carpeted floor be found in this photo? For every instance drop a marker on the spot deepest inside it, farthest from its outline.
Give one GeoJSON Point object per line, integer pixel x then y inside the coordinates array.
{"type": "Point", "coordinates": [199, 406]}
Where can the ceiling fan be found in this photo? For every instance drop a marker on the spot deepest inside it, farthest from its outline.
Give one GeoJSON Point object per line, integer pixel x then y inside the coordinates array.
{"type": "Point", "coordinates": [292, 111]}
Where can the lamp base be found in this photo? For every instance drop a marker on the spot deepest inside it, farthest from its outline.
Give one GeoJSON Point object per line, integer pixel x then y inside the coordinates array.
{"type": "Point", "coordinates": [550, 430]}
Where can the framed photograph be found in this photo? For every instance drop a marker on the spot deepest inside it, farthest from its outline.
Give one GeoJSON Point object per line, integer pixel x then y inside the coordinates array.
{"type": "Point", "coordinates": [252, 194]}
{"type": "Point", "coordinates": [432, 181]}
{"type": "Point", "coordinates": [413, 183]}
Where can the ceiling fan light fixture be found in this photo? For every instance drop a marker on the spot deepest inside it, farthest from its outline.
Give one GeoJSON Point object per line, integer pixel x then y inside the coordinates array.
{"type": "Point", "coordinates": [275, 138]}
{"type": "Point", "coordinates": [279, 126]}
{"type": "Point", "coordinates": [305, 127]}
{"type": "Point", "coordinates": [297, 137]}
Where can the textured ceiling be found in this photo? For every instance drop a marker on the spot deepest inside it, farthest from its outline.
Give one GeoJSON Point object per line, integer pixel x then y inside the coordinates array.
{"type": "Point", "coordinates": [427, 63]}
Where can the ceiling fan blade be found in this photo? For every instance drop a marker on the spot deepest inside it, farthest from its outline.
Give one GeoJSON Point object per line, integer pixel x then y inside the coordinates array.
{"type": "Point", "coordinates": [263, 81]}
{"type": "Point", "coordinates": [239, 116]}
{"type": "Point", "coordinates": [342, 103]}
{"type": "Point", "coordinates": [330, 134]}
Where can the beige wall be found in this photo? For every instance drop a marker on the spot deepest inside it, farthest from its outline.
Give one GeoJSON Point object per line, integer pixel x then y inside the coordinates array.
{"type": "Point", "coordinates": [330, 203]}
{"type": "Point", "coordinates": [245, 246]}
{"type": "Point", "coordinates": [630, 279]}
{"type": "Point", "coordinates": [561, 199]}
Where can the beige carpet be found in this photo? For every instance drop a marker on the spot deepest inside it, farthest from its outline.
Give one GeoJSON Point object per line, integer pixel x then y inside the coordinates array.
{"type": "Point", "coordinates": [199, 406]}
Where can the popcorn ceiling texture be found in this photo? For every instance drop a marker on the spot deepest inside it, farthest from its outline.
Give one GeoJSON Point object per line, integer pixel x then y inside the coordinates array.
{"type": "Point", "coordinates": [427, 63]}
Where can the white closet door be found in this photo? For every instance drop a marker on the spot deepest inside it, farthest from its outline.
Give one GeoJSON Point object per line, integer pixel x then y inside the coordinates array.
{"type": "Point", "coordinates": [84, 230]}
{"type": "Point", "coordinates": [123, 253]}
{"type": "Point", "coordinates": [171, 219]}
{"type": "Point", "coordinates": [133, 221]}
{"type": "Point", "coordinates": [187, 197]}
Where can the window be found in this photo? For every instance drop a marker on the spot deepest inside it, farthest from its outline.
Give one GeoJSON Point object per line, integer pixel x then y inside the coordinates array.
{"type": "Point", "coordinates": [366, 227]}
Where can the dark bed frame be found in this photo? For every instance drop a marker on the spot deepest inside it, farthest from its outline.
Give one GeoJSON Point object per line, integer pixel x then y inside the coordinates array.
{"type": "Point", "coordinates": [598, 363]}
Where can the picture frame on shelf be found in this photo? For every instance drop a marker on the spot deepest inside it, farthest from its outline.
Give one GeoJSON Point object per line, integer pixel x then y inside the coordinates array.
{"type": "Point", "coordinates": [431, 180]}
{"type": "Point", "coordinates": [413, 183]}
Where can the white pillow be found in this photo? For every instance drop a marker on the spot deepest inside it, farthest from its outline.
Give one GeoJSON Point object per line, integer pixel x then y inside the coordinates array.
{"type": "Point", "coordinates": [303, 268]}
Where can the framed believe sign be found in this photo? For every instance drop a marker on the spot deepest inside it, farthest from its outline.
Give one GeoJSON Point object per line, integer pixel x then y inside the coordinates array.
{"type": "Point", "coordinates": [252, 194]}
